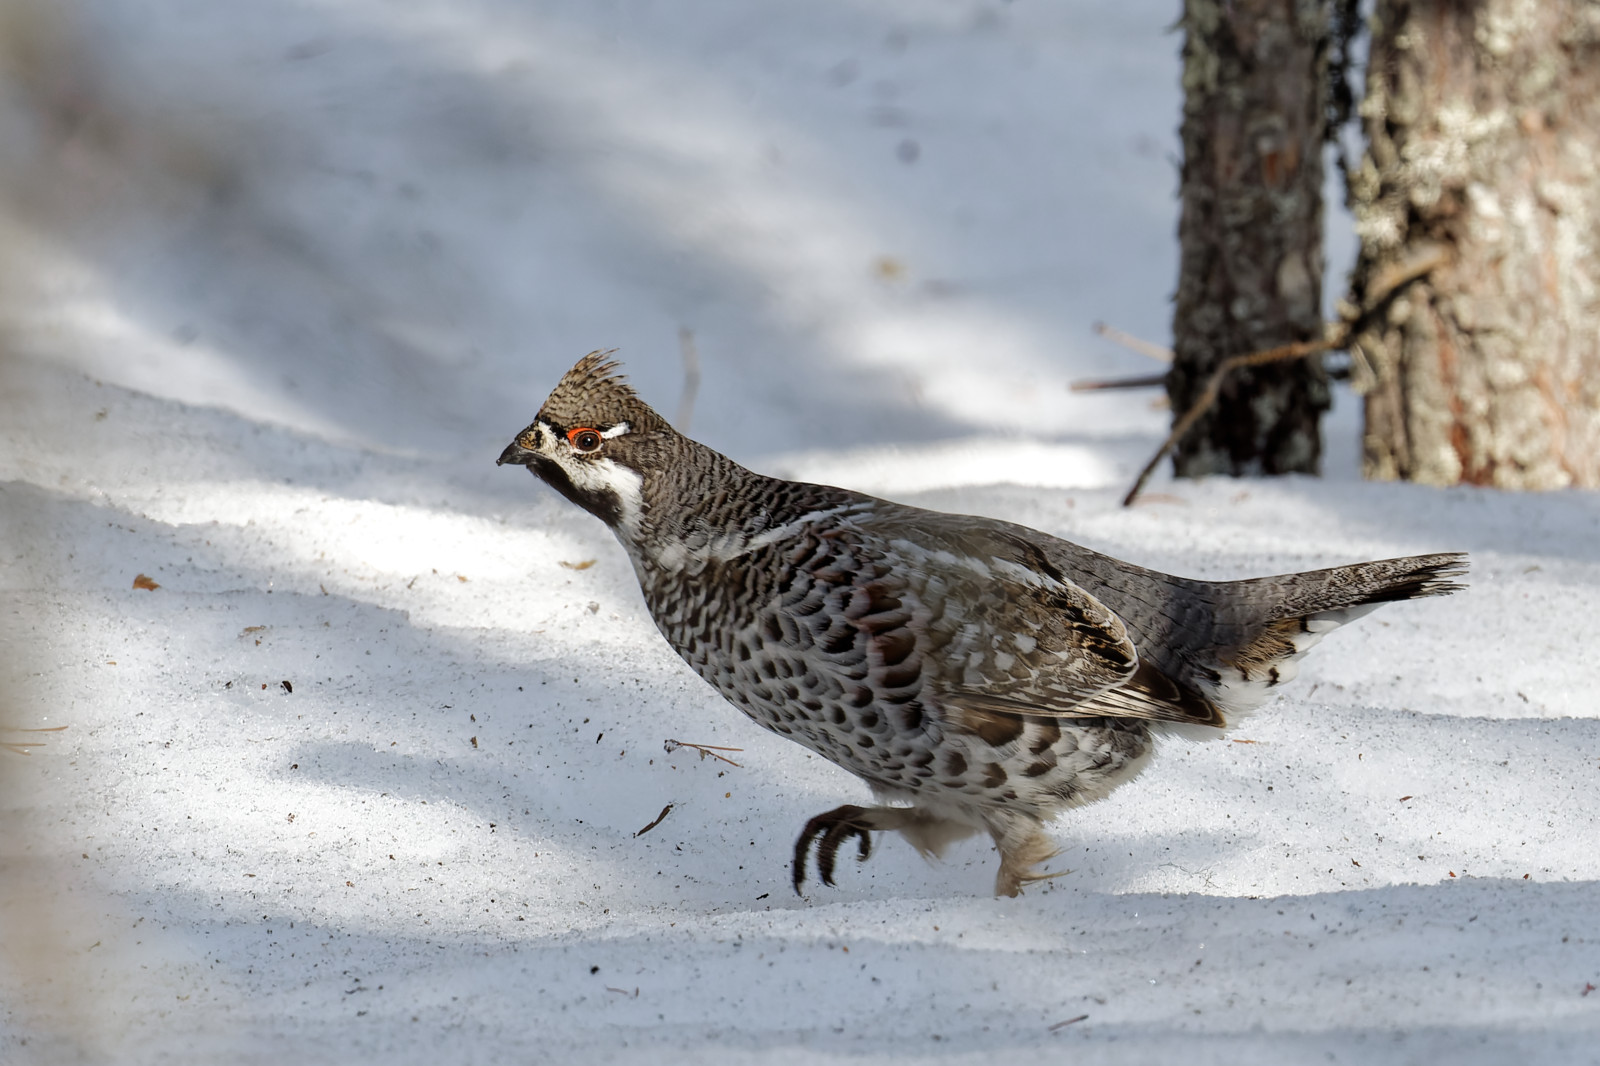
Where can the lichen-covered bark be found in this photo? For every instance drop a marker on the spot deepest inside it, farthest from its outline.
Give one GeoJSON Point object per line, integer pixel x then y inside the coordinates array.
{"type": "Point", "coordinates": [1250, 235]}
{"type": "Point", "coordinates": [1483, 131]}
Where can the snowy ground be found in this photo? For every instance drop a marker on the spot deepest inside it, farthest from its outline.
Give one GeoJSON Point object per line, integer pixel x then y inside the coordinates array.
{"type": "Point", "coordinates": [279, 282]}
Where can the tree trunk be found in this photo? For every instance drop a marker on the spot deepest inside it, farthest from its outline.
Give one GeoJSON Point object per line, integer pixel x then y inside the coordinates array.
{"type": "Point", "coordinates": [1250, 235]}
{"type": "Point", "coordinates": [1483, 131]}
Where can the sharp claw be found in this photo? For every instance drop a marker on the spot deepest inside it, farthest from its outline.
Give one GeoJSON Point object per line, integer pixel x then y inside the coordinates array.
{"type": "Point", "coordinates": [834, 828]}
{"type": "Point", "coordinates": [828, 850]}
{"type": "Point", "coordinates": [801, 847]}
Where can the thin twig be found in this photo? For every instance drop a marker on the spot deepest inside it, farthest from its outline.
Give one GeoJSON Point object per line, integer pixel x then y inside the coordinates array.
{"type": "Point", "coordinates": [1337, 335]}
{"type": "Point", "coordinates": [659, 819]}
{"type": "Point", "coordinates": [1153, 381]}
{"type": "Point", "coordinates": [1104, 384]}
{"type": "Point", "coordinates": [704, 750]}
{"type": "Point", "coordinates": [1420, 261]}
{"type": "Point", "coordinates": [691, 378]}
{"type": "Point", "coordinates": [21, 747]}
{"type": "Point", "coordinates": [1129, 341]}
{"type": "Point", "coordinates": [1069, 1021]}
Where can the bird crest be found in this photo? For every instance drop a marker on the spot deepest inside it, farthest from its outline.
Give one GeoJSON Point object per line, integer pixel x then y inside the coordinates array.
{"type": "Point", "coordinates": [595, 393]}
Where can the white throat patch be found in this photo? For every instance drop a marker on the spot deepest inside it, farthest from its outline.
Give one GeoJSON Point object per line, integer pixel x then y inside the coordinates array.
{"type": "Point", "coordinates": [606, 475]}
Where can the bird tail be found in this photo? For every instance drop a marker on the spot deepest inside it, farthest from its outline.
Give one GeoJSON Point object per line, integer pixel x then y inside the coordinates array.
{"type": "Point", "coordinates": [1267, 624]}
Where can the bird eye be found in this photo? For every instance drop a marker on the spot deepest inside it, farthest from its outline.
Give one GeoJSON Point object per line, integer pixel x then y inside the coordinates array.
{"type": "Point", "coordinates": [584, 440]}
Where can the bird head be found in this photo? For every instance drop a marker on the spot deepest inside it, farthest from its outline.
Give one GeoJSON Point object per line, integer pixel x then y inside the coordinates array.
{"type": "Point", "coordinates": [594, 441]}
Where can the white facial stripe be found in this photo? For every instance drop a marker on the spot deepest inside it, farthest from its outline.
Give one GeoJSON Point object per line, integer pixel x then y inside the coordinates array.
{"type": "Point", "coordinates": [615, 431]}
{"type": "Point", "coordinates": [600, 475]}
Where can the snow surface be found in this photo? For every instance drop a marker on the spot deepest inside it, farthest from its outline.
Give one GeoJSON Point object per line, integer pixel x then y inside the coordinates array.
{"type": "Point", "coordinates": [279, 282]}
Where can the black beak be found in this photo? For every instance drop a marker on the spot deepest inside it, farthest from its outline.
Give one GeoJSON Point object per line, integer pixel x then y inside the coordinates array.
{"type": "Point", "coordinates": [516, 454]}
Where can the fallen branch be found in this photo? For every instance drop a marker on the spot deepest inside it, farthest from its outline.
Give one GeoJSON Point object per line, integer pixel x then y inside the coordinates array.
{"type": "Point", "coordinates": [1335, 336]}
{"type": "Point", "coordinates": [704, 750]}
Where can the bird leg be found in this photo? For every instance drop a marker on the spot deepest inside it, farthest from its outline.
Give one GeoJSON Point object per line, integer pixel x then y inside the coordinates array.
{"type": "Point", "coordinates": [1020, 839]}
{"type": "Point", "coordinates": [1022, 844]}
{"type": "Point", "coordinates": [928, 832]}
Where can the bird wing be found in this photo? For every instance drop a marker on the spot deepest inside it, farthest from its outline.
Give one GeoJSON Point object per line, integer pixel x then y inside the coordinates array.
{"type": "Point", "coordinates": [1148, 694]}
{"type": "Point", "coordinates": [1075, 660]}
{"type": "Point", "coordinates": [1032, 643]}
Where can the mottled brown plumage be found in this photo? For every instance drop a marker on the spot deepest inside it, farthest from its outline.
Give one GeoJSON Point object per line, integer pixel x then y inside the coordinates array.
{"type": "Point", "coordinates": [977, 674]}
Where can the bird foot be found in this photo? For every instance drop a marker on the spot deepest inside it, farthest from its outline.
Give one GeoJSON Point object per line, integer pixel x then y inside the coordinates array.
{"type": "Point", "coordinates": [1023, 846]}
{"type": "Point", "coordinates": [1010, 882]}
{"type": "Point", "coordinates": [833, 828]}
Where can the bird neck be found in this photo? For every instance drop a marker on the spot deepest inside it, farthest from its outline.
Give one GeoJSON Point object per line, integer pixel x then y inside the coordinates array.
{"type": "Point", "coordinates": [704, 507]}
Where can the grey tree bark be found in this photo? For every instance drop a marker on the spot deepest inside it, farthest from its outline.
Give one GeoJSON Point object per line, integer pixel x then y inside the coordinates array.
{"type": "Point", "coordinates": [1482, 121]}
{"type": "Point", "coordinates": [1250, 234]}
